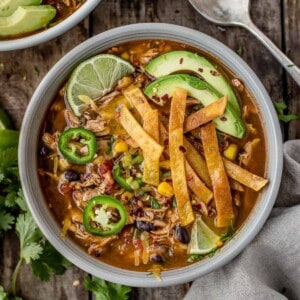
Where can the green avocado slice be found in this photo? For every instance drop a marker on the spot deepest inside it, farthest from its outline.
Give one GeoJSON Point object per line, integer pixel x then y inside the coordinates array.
{"type": "Point", "coordinates": [178, 61]}
{"type": "Point", "coordinates": [26, 19]}
{"type": "Point", "coordinates": [7, 7]}
{"type": "Point", "coordinates": [161, 90]}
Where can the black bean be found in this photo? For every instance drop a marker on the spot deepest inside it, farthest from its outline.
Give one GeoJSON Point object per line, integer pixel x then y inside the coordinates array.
{"type": "Point", "coordinates": [44, 151]}
{"type": "Point", "coordinates": [71, 175]}
{"type": "Point", "coordinates": [182, 234]}
{"type": "Point", "coordinates": [145, 226]}
{"type": "Point", "coordinates": [156, 258]}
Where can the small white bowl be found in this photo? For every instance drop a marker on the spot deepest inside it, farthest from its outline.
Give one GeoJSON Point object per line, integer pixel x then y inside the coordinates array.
{"type": "Point", "coordinates": [51, 32]}
{"type": "Point", "coordinates": [37, 109]}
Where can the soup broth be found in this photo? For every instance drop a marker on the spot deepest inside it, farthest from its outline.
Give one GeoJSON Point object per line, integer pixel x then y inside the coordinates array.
{"type": "Point", "coordinates": [153, 237]}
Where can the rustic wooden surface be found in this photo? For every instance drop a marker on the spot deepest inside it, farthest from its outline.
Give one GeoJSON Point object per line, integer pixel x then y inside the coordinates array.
{"type": "Point", "coordinates": [21, 71]}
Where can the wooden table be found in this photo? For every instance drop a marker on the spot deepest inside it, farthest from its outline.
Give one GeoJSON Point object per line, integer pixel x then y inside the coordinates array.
{"type": "Point", "coordinates": [21, 71]}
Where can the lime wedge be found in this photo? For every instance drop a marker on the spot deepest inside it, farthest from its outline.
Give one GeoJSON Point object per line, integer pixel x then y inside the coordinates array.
{"type": "Point", "coordinates": [94, 78]}
{"type": "Point", "coordinates": [5, 122]}
{"type": "Point", "coordinates": [203, 239]}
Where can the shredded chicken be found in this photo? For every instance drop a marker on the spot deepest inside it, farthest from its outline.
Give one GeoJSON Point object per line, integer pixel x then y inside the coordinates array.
{"type": "Point", "coordinates": [246, 157]}
{"type": "Point", "coordinates": [50, 140]}
{"type": "Point", "coordinates": [147, 56]}
{"type": "Point", "coordinates": [71, 119]}
{"type": "Point", "coordinates": [237, 83]}
{"type": "Point", "coordinates": [107, 98]}
{"type": "Point", "coordinates": [97, 125]}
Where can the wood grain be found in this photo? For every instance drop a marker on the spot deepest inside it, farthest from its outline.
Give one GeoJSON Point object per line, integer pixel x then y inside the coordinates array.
{"type": "Point", "coordinates": [291, 15]}
{"type": "Point", "coordinates": [21, 71]}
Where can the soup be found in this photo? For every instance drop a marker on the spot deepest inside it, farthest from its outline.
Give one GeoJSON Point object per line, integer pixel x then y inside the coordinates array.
{"type": "Point", "coordinates": [162, 168]}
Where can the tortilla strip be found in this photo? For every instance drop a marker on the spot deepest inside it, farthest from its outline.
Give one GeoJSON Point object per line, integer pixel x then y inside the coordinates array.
{"type": "Point", "coordinates": [194, 182]}
{"type": "Point", "coordinates": [165, 164]}
{"type": "Point", "coordinates": [151, 149]}
{"type": "Point", "coordinates": [235, 185]}
{"type": "Point", "coordinates": [243, 176]}
{"type": "Point", "coordinates": [151, 123]}
{"type": "Point", "coordinates": [219, 179]}
{"type": "Point", "coordinates": [205, 115]}
{"type": "Point", "coordinates": [196, 185]}
{"type": "Point", "coordinates": [136, 97]}
{"type": "Point", "coordinates": [177, 160]}
{"type": "Point", "coordinates": [197, 162]}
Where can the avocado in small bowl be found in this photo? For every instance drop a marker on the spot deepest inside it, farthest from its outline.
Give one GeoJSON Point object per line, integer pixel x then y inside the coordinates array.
{"type": "Point", "coordinates": [26, 23]}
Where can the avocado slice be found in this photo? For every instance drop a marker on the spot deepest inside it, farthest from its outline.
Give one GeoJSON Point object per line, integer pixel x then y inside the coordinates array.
{"type": "Point", "coordinates": [176, 61]}
{"type": "Point", "coordinates": [26, 19]}
{"type": "Point", "coordinates": [161, 90]}
{"type": "Point", "coordinates": [7, 7]}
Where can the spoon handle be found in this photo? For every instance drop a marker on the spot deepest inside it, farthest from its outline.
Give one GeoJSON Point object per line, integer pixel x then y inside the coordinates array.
{"type": "Point", "coordinates": [289, 66]}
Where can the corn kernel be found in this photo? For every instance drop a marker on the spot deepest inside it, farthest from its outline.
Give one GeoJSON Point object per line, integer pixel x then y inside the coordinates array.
{"type": "Point", "coordinates": [165, 189]}
{"type": "Point", "coordinates": [231, 152]}
{"type": "Point", "coordinates": [125, 55]}
{"type": "Point", "coordinates": [220, 243]}
{"type": "Point", "coordinates": [126, 196]}
{"type": "Point", "coordinates": [120, 147]}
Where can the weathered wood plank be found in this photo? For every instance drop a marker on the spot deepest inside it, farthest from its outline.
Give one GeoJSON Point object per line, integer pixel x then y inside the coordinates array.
{"type": "Point", "coordinates": [292, 44]}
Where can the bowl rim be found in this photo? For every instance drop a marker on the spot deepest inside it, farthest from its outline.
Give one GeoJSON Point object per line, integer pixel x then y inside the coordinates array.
{"type": "Point", "coordinates": [52, 32]}
{"type": "Point", "coordinates": [62, 69]}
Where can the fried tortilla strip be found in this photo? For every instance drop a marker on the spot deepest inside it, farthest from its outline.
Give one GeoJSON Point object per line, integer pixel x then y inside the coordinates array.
{"type": "Point", "coordinates": [194, 182]}
{"type": "Point", "coordinates": [218, 176]}
{"type": "Point", "coordinates": [196, 185]}
{"type": "Point", "coordinates": [197, 162]}
{"type": "Point", "coordinates": [165, 164]}
{"type": "Point", "coordinates": [243, 176]}
{"type": "Point", "coordinates": [151, 149]}
{"type": "Point", "coordinates": [235, 185]}
{"type": "Point", "coordinates": [151, 123]}
{"type": "Point", "coordinates": [136, 97]}
{"type": "Point", "coordinates": [177, 160]}
{"type": "Point", "coordinates": [205, 115]}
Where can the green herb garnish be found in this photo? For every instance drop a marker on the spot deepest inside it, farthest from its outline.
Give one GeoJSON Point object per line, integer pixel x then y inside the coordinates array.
{"type": "Point", "coordinates": [104, 290]}
{"type": "Point", "coordinates": [281, 112]}
{"type": "Point", "coordinates": [240, 50]}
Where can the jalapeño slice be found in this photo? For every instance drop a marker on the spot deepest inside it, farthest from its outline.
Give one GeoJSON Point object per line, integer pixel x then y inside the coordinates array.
{"type": "Point", "coordinates": [104, 216]}
{"type": "Point", "coordinates": [78, 145]}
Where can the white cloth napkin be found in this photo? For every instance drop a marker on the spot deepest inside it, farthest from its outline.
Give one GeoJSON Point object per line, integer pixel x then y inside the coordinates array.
{"type": "Point", "coordinates": [269, 268]}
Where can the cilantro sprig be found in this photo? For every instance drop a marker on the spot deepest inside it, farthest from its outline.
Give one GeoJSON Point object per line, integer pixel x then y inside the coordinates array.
{"type": "Point", "coordinates": [281, 108]}
{"type": "Point", "coordinates": [14, 214]}
{"type": "Point", "coordinates": [104, 290]}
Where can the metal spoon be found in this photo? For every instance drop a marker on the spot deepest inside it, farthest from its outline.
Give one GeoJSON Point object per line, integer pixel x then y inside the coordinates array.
{"type": "Point", "coordinates": [236, 12]}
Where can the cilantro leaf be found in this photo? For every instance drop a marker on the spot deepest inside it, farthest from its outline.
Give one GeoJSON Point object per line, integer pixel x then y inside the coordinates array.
{"type": "Point", "coordinates": [3, 295]}
{"type": "Point", "coordinates": [280, 108]}
{"type": "Point", "coordinates": [8, 157]}
{"type": "Point", "coordinates": [288, 118]}
{"type": "Point", "coordinates": [6, 221]}
{"type": "Point", "coordinates": [2, 176]}
{"type": "Point", "coordinates": [104, 290]}
{"type": "Point", "coordinates": [240, 50]}
{"type": "Point", "coordinates": [29, 236]}
{"type": "Point", "coordinates": [20, 200]}
{"type": "Point", "coordinates": [10, 199]}
{"type": "Point", "coordinates": [49, 261]}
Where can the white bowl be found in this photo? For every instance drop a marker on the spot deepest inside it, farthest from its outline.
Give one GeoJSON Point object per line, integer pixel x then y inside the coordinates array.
{"type": "Point", "coordinates": [37, 109]}
{"type": "Point", "coordinates": [51, 32]}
